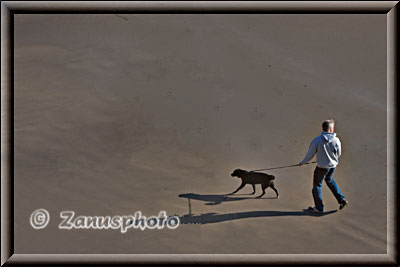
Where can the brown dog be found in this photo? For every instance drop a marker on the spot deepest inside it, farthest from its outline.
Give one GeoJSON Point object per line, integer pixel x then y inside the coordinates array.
{"type": "Point", "coordinates": [254, 178]}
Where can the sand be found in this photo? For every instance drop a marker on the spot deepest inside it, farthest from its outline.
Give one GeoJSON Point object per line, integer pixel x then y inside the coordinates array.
{"type": "Point", "coordinates": [118, 114]}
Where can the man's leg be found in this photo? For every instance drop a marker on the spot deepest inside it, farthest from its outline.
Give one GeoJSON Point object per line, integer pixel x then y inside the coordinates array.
{"type": "Point", "coordinates": [333, 186]}
{"type": "Point", "coordinates": [319, 176]}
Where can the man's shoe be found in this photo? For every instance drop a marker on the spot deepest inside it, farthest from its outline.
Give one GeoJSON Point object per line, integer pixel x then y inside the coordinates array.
{"type": "Point", "coordinates": [314, 209]}
{"type": "Point", "coordinates": [343, 204]}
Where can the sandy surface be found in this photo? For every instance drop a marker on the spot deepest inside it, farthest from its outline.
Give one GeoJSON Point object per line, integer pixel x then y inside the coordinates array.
{"type": "Point", "coordinates": [115, 115]}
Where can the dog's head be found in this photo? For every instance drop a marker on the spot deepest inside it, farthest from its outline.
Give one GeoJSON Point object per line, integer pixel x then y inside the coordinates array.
{"type": "Point", "coordinates": [238, 173]}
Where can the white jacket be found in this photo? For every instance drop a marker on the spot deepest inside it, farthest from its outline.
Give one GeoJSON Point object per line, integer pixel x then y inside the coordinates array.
{"type": "Point", "coordinates": [328, 149]}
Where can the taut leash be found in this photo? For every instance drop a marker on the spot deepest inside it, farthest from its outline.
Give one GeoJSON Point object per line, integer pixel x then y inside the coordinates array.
{"type": "Point", "coordinates": [289, 166]}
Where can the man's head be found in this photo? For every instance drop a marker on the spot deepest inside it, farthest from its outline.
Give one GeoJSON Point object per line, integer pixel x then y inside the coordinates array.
{"type": "Point", "coordinates": [328, 126]}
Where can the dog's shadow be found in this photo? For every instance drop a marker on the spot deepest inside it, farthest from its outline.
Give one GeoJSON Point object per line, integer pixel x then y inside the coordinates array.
{"type": "Point", "coordinates": [216, 218]}
{"type": "Point", "coordinates": [218, 199]}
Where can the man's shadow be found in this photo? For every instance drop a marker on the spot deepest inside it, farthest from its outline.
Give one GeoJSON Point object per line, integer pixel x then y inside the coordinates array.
{"type": "Point", "coordinates": [218, 199]}
{"type": "Point", "coordinates": [216, 218]}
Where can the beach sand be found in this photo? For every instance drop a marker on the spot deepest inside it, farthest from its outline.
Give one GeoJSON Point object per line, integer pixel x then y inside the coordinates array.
{"type": "Point", "coordinates": [118, 114]}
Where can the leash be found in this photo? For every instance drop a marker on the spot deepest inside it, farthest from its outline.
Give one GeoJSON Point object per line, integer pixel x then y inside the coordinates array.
{"type": "Point", "coordinates": [295, 165]}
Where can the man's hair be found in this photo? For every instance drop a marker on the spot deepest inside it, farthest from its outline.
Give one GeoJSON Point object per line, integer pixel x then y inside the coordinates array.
{"type": "Point", "coordinates": [326, 125]}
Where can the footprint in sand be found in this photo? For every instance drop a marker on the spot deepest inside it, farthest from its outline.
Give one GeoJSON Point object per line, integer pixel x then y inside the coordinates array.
{"type": "Point", "coordinates": [126, 19]}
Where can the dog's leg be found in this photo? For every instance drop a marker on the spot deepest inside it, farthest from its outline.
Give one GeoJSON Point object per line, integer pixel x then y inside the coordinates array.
{"type": "Point", "coordinates": [240, 187]}
{"type": "Point", "coordinates": [254, 189]}
{"type": "Point", "coordinates": [263, 190]}
{"type": "Point", "coordinates": [273, 188]}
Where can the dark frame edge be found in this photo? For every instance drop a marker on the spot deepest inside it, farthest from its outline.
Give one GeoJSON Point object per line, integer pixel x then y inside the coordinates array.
{"type": "Point", "coordinates": [7, 141]}
{"type": "Point", "coordinates": [392, 130]}
{"type": "Point", "coordinates": [198, 7]}
{"type": "Point", "coordinates": [201, 259]}
{"type": "Point", "coordinates": [7, 226]}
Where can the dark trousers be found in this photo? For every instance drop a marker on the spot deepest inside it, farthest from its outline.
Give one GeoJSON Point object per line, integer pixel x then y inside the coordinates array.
{"type": "Point", "coordinates": [321, 174]}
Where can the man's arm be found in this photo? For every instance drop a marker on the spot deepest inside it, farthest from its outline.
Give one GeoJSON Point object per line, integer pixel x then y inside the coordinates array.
{"type": "Point", "coordinates": [339, 148]}
{"type": "Point", "coordinates": [310, 154]}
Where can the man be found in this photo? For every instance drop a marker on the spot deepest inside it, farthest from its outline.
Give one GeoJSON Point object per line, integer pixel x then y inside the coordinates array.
{"type": "Point", "coordinates": [327, 147]}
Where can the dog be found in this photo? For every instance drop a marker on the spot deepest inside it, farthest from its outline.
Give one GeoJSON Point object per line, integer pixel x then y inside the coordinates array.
{"type": "Point", "coordinates": [254, 178]}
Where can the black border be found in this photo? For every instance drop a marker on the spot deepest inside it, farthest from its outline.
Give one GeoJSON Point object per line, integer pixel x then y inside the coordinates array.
{"type": "Point", "coordinates": [10, 8]}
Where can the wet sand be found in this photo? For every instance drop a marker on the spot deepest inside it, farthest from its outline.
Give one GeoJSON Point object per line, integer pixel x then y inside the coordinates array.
{"type": "Point", "coordinates": [118, 114]}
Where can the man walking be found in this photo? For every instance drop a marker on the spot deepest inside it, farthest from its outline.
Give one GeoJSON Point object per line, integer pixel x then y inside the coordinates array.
{"type": "Point", "coordinates": [327, 147]}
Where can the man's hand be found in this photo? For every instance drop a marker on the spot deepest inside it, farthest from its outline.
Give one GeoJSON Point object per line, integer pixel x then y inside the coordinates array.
{"type": "Point", "coordinates": [300, 164]}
